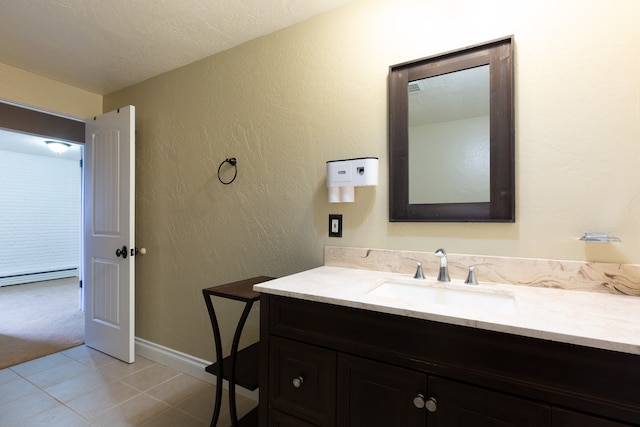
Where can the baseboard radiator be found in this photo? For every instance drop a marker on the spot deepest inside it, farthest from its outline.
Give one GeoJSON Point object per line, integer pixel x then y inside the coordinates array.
{"type": "Point", "coordinates": [38, 276]}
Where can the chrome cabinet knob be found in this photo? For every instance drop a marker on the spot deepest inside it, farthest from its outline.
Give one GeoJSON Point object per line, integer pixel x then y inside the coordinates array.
{"type": "Point", "coordinates": [429, 404]}
{"type": "Point", "coordinates": [297, 382]}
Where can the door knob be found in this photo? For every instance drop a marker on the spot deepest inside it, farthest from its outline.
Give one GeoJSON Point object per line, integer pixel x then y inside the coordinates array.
{"type": "Point", "coordinates": [135, 251]}
{"type": "Point", "coordinates": [121, 252]}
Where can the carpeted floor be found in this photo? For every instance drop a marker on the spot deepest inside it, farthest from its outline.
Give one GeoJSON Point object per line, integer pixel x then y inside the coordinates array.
{"type": "Point", "coordinates": [39, 318]}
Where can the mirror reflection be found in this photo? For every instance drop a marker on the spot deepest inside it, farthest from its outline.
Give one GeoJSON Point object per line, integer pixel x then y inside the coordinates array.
{"type": "Point", "coordinates": [449, 127]}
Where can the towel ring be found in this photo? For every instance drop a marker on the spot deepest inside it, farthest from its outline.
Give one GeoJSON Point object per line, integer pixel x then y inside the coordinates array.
{"type": "Point", "coordinates": [233, 162]}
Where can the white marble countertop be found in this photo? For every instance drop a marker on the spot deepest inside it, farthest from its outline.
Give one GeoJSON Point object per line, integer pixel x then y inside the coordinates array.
{"type": "Point", "coordinates": [591, 319]}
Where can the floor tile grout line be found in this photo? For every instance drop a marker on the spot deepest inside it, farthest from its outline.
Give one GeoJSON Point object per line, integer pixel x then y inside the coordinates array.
{"type": "Point", "coordinates": [93, 416]}
{"type": "Point", "coordinates": [141, 370]}
{"type": "Point", "coordinates": [138, 393]}
{"type": "Point", "coordinates": [168, 405]}
{"type": "Point", "coordinates": [112, 361]}
{"type": "Point", "coordinates": [40, 372]}
{"type": "Point", "coordinates": [189, 413]}
{"type": "Point", "coordinates": [69, 407]}
{"type": "Point", "coordinates": [59, 402]}
{"type": "Point", "coordinates": [92, 419]}
{"type": "Point", "coordinates": [163, 382]}
{"type": "Point", "coordinates": [94, 366]}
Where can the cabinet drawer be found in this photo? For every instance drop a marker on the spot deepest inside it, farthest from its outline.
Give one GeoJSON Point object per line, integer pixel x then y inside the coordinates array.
{"type": "Point", "coordinates": [302, 380]}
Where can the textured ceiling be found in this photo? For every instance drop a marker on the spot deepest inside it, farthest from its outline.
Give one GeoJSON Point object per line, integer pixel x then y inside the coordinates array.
{"type": "Point", "coordinates": [105, 45]}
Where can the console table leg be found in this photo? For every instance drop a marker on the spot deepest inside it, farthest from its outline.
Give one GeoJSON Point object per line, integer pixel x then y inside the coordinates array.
{"type": "Point", "coordinates": [219, 375]}
{"type": "Point", "coordinates": [234, 354]}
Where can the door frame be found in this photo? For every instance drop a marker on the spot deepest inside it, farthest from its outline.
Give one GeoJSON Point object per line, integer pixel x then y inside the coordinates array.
{"type": "Point", "coordinates": [26, 119]}
{"type": "Point", "coordinates": [34, 121]}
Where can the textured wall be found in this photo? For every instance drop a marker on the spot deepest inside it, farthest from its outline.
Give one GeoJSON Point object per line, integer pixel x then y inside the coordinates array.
{"type": "Point", "coordinates": [286, 103]}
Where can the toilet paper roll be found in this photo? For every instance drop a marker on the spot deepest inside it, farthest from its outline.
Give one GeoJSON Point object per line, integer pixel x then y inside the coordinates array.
{"type": "Point", "coordinates": [334, 194]}
{"type": "Point", "coordinates": [347, 194]}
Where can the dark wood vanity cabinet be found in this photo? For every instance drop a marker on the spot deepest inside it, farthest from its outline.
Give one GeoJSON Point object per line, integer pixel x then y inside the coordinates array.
{"type": "Point", "coordinates": [327, 365]}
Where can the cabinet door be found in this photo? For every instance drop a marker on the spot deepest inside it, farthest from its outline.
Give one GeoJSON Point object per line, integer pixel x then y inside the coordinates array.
{"type": "Point", "coordinates": [373, 394]}
{"type": "Point", "coordinates": [566, 418]}
{"type": "Point", "coordinates": [302, 381]}
{"type": "Point", "coordinates": [463, 405]}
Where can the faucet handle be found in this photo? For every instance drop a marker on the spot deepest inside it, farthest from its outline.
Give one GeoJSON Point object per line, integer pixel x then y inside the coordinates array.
{"type": "Point", "coordinates": [419, 273]}
{"type": "Point", "coordinates": [471, 277]}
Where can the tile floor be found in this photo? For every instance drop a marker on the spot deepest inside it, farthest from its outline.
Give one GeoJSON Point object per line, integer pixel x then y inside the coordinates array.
{"type": "Point", "coordinates": [83, 387]}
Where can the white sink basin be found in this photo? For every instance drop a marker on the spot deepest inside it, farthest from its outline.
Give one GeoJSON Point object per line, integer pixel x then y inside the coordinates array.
{"type": "Point", "coordinates": [471, 298]}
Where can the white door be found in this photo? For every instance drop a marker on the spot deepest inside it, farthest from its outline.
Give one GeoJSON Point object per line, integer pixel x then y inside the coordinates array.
{"type": "Point", "coordinates": [109, 279]}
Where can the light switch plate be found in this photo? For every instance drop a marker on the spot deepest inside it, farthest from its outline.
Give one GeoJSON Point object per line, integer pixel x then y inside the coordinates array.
{"type": "Point", "coordinates": [335, 225]}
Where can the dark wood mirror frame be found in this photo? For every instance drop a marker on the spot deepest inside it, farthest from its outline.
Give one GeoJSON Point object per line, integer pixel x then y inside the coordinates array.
{"type": "Point", "coordinates": [501, 207]}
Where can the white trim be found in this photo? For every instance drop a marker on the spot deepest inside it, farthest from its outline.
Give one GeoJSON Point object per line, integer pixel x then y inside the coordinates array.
{"type": "Point", "coordinates": [184, 363]}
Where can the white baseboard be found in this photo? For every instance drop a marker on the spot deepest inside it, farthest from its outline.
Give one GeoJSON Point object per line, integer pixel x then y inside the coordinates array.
{"type": "Point", "coordinates": [184, 363]}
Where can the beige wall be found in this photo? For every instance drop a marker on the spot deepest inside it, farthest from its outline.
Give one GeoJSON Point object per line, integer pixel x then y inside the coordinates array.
{"type": "Point", "coordinates": [29, 89]}
{"type": "Point", "coordinates": [286, 103]}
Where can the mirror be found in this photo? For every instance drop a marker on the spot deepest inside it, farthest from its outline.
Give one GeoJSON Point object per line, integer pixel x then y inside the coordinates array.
{"type": "Point", "coordinates": [449, 121]}
{"type": "Point", "coordinates": [451, 136]}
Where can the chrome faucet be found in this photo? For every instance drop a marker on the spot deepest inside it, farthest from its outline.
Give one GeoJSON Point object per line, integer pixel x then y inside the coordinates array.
{"type": "Point", "coordinates": [443, 273]}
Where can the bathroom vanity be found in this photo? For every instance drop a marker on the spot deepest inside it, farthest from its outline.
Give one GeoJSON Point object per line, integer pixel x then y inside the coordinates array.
{"type": "Point", "coordinates": [336, 353]}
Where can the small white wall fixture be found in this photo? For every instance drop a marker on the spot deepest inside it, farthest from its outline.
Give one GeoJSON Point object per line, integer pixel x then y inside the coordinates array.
{"type": "Point", "coordinates": [344, 175]}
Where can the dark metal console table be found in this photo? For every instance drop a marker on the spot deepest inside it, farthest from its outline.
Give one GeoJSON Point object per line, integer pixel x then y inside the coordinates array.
{"type": "Point", "coordinates": [240, 367]}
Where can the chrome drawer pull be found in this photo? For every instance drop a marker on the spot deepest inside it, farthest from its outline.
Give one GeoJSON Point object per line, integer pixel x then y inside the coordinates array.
{"type": "Point", "coordinates": [297, 382]}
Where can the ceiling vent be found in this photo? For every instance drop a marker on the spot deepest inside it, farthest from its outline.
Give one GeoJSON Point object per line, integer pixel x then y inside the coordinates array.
{"type": "Point", "coordinates": [416, 86]}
